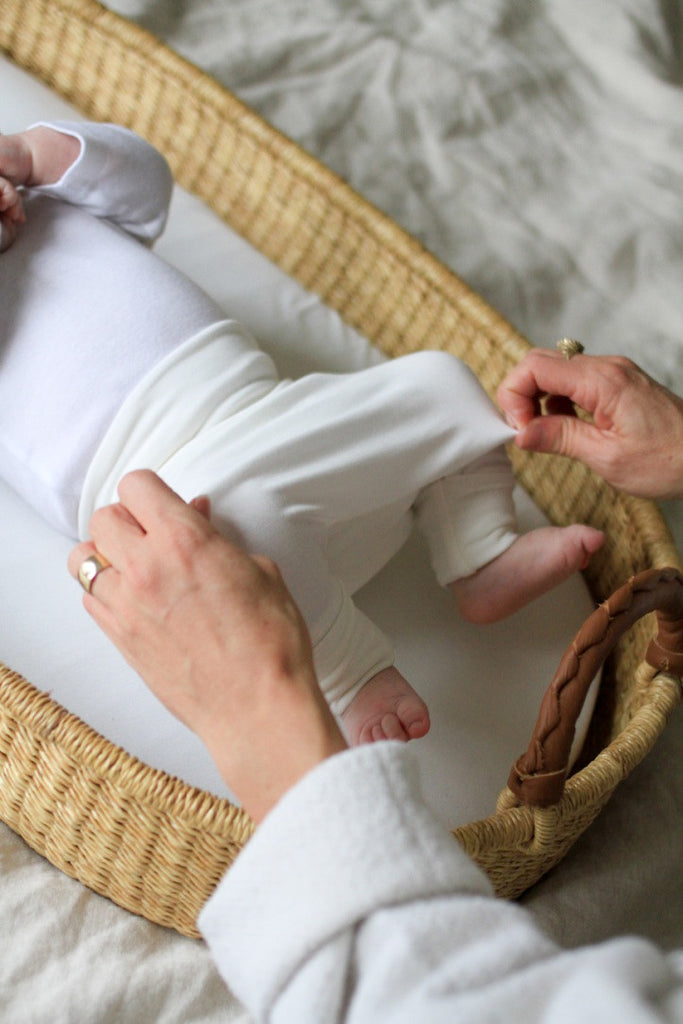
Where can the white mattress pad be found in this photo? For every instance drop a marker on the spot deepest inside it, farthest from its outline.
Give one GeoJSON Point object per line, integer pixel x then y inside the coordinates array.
{"type": "Point", "coordinates": [483, 684]}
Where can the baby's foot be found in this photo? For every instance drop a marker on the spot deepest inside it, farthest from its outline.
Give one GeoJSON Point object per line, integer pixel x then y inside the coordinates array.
{"type": "Point", "coordinates": [533, 564]}
{"type": "Point", "coordinates": [386, 708]}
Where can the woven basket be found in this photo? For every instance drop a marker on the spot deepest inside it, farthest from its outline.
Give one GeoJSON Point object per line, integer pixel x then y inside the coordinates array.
{"type": "Point", "coordinates": [151, 843]}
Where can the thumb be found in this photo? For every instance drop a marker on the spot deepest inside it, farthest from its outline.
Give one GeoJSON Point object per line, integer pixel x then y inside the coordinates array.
{"type": "Point", "coordinates": [561, 435]}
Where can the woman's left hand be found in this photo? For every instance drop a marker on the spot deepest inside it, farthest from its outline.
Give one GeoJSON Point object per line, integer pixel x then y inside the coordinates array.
{"type": "Point", "coordinates": [215, 635]}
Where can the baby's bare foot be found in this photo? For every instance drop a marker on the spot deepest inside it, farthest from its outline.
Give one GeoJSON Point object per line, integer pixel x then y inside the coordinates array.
{"type": "Point", "coordinates": [535, 563]}
{"type": "Point", "coordinates": [386, 708]}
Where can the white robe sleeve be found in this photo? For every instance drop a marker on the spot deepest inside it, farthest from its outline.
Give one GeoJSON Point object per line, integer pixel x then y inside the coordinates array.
{"type": "Point", "coordinates": [117, 177]}
{"type": "Point", "coordinates": [351, 903]}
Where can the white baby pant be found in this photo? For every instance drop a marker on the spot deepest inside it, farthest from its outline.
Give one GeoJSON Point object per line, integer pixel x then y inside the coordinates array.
{"type": "Point", "coordinates": [326, 474]}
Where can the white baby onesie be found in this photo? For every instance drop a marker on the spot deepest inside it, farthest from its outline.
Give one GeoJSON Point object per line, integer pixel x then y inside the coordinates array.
{"type": "Point", "coordinates": [112, 360]}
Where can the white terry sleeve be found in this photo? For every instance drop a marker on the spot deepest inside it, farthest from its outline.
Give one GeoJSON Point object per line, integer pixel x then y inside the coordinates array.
{"type": "Point", "coordinates": [117, 177]}
{"type": "Point", "coordinates": [352, 904]}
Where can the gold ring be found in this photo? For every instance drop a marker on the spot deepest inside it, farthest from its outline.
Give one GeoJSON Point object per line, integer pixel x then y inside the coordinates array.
{"type": "Point", "coordinates": [90, 569]}
{"type": "Point", "coordinates": [570, 347]}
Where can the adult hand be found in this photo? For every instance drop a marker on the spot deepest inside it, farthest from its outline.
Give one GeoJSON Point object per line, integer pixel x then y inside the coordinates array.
{"type": "Point", "coordinates": [635, 439]}
{"type": "Point", "coordinates": [215, 635]}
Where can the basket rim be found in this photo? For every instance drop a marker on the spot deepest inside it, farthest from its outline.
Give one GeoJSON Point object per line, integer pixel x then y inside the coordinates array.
{"type": "Point", "coordinates": [198, 84]}
{"type": "Point", "coordinates": [52, 724]}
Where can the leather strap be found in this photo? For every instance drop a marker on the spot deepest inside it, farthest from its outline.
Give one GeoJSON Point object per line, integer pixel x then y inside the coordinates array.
{"type": "Point", "coordinates": [538, 776]}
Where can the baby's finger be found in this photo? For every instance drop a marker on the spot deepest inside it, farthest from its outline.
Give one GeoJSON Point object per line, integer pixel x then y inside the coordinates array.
{"type": "Point", "coordinates": [17, 212]}
{"type": "Point", "coordinates": [8, 232]}
{"type": "Point", "coordinates": [9, 196]}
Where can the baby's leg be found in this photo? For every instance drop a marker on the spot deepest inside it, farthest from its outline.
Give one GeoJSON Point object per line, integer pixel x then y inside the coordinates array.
{"type": "Point", "coordinates": [329, 450]}
{"type": "Point", "coordinates": [532, 565]}
{"type": "Point", "coordinates": [470, 523]}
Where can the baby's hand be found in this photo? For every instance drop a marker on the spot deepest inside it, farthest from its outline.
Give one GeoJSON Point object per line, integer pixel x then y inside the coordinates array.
{"type": "Point", "coordinates": [15, 170]}
{"type": "Point", "coordinates": [11, 213]}
{"type": "Point", "coordinates": [16, 161]}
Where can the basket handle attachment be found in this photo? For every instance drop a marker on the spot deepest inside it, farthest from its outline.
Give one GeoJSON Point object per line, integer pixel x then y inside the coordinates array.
{"type": "Point", "coordinates": [537, 778]}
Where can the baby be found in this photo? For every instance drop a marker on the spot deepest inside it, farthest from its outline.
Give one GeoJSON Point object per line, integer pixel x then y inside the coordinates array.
{"type": "Point", "coordinates": [111, 360]}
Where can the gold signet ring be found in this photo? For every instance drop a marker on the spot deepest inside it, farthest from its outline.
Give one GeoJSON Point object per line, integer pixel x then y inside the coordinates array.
{"type": "Point", "coordinates": [90, 570]}
{"type": "Point", "coordinates": [570, 347]}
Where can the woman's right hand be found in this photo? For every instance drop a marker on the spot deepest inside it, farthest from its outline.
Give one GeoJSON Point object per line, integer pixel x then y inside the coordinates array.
{"type": "Point", "coordinates": [635, 439]}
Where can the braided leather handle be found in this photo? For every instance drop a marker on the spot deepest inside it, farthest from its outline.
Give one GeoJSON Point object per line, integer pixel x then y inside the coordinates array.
{"type": "Point", "coordinates": [538, 776]}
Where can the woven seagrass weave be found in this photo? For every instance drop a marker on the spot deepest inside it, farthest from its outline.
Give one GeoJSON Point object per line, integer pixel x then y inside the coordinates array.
{"type": "Point", "coordinates": [151, 843]}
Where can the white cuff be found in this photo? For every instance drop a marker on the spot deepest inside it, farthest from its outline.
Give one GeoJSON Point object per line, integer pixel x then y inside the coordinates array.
{"type": "Point", "coordinates": [350, 653]}
{"type": "Point", "coordinates": [469, 518]}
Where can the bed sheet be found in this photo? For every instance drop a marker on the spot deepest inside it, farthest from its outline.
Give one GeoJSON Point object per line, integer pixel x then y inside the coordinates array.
{"type": "Point", "coordinates": [536, 149]}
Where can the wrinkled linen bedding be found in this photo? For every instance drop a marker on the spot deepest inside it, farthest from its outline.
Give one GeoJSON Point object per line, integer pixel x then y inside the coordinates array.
{"type": "Point", "coordinates": [536, 149]}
